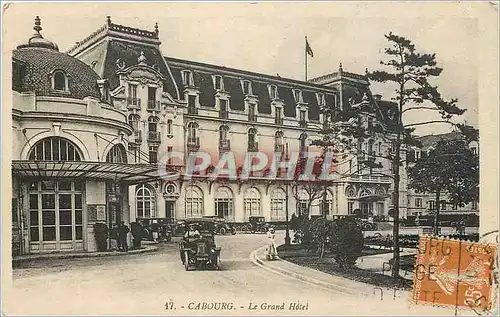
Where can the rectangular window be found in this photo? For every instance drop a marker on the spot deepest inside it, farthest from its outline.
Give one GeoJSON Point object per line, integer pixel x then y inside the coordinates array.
{"type": "Point", "coordinates": [223, 114]}
{"type": "Point", "coordinates": [132, 91]}
{"type": "Point", "coordinates": [273, 92]}
{"type": "Point", "coordinates": [432, 204]}
{"type": "Point", "coordinates": [251, 112]}
{"type": "Point", "coordinates": [218, 83]}
{"type": "Point", "coordinates": [443, 204]}
{"type": "Point", "coordinates": [169, 151]}
{"type": "Point", "coordinates": [187, 78]}
{"type": "Point", "coordinates": [474, 205]}
{"type": "Point", "coordinates": [152, 93]}
{"type": "Point", "coordinates": [321, 99]}
{"type": "Point", "coordinates": [278, 116]}
{"type": "Point", "coordinates": [247, 87]}
{"type": "Point", "coordinates": [474, 150]}
{"type": "Point", "coordinates": [298, 95]}
{"type": "Point", "coordinates": [153, 155]}
{"type": "Point", "coordinates": [191, 103]}
{"type": "Point", "coordinates": [350, 207]}
{"type": "Point", "coordinates": [302, 115]}
{"type": "Point", "coordinates": [418, 202]}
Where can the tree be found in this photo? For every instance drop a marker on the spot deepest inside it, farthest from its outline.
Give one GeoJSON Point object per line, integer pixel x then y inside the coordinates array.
{"type": "Point", "coordinates": [411, 73]}
{"type": "Point", "coordinates": [450, 168]}
{"type": "Point", "coordinates": [346, 242]}
{"type": "Point", "coordinates": [321, 230]}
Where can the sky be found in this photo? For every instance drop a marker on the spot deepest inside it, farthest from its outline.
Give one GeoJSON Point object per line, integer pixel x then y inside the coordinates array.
{"type": "Point", "coordinates": [269, 38]}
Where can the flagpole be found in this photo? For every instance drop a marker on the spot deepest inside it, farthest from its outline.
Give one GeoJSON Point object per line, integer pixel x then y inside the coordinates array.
{"type": "Point", "coordinates": [305, 55]}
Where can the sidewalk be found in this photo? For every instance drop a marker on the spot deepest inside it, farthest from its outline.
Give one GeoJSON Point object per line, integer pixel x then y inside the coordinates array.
{"type": "Point", "coordinates": [70, 255]}
{"type": "Point", "coordinates": [331, 282]}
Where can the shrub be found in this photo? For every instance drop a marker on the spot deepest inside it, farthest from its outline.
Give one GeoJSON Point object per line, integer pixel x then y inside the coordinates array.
{"type": "Point", "coordinates": [346, 242]}
{"type": "Point", "coordinates": [101, 236]}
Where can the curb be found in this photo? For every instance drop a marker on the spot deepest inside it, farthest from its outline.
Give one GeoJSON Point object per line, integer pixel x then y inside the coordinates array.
{"type": "Point", "coordinates": [332, 287]}
{"type": "Point", "coordinates": [146, 249]}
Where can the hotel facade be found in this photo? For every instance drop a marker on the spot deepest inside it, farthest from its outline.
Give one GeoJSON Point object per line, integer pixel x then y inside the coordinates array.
{"type": "Point", "coordinates": [91, 125]}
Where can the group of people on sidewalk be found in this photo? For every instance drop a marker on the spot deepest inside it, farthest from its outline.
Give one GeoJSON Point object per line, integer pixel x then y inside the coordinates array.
{"type": "Point", "coordinates": [120, 234]}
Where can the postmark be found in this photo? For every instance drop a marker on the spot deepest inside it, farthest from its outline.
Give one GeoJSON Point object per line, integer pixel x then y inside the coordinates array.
{"type": "Point", "coordinates": [455, 273]}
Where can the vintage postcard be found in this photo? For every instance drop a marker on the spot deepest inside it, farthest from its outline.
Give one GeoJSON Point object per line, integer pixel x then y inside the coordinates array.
{"type": "Point", "coordinates": [250, 158]}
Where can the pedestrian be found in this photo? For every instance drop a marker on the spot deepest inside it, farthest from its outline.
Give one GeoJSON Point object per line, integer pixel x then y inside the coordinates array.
{"type": "Point", "coordinates": [137, 233]}
{"type": "Point", "coordinates": [114, 238]}
{"type": "Point", "coordinates": [123, 230]}
{"type": "Point", "coordinates": [271, 246]}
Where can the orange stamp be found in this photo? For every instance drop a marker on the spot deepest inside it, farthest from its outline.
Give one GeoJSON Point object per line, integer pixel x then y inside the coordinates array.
{"type": "Point", "coordinates": [454, 273]}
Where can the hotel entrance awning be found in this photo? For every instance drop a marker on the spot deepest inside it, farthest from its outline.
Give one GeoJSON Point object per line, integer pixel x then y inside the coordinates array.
{"type": "Point", "coordinates": [130, 173]}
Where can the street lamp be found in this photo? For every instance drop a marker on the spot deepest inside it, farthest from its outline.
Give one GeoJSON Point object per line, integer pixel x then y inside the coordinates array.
{"type": "Point", "coordinates": [287, 229]}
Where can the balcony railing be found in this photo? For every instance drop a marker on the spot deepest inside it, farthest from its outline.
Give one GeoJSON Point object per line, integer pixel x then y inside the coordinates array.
{"type": "Point", "coordinates": [192, 110]}
{"type": "Point", "coordinates": [253, 147]}
{"type": "Point", "coordinates": [224, 145]}
{"type": "Point", "coordinates": [154, 136]}
{"type": "Point", "coordinates": [138, 136]}
{"type": "Point", "coordinates": [154, 105]}
{"type": "Point", "coordinates": [278, 120]}
{"type": "Point", "coordinates": [303, 123]}
{"type": "Point", "coordinates": [133, 103]}
{"type": "Point", "coordinates": [223, 114]}
{"type": "Point", "coordinates": [193, 141]}
{"type": "Point", "coordinates": [252, 117]}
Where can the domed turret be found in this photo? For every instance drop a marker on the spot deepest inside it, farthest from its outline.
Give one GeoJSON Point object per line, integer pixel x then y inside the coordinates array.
{"type": "Point", "coordinates": [37, 40]}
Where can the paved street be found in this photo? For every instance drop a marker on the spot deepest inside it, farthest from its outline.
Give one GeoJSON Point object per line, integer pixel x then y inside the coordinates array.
{"type": "Point", "coordinates": [143, 283]}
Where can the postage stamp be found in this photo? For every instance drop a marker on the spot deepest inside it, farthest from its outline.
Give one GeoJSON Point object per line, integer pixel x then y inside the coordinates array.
{"type": "Point", "coordinates": [455, 273]}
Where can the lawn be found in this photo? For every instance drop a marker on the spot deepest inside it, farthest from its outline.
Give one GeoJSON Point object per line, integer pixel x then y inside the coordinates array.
{"type": "Point", "coordinates": [300, 256]}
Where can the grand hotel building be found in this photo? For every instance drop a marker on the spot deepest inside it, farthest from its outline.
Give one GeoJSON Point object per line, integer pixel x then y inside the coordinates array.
{"type": "Point", "coordinates": [89, 126]}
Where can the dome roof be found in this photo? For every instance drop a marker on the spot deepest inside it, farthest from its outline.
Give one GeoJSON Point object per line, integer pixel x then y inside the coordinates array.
{"type": "Point", "coordinates": [37, 40]}
{"type": "Point", "coordinates": [36, 64]}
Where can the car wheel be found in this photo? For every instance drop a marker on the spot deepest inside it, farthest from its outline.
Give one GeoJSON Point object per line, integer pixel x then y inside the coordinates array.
{"type": "Point", "coordinates": [233, 231]}
{"type": "Point", "coordinates": [222, 231]}
{"type": "Point", "coordinates": [186, 260]}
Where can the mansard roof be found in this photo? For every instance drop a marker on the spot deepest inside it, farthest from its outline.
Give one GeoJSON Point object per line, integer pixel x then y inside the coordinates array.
{"type": "Point", "coordinates": [202, 75]}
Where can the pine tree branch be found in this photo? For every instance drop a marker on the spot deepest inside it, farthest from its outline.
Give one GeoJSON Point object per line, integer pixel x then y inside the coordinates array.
{"type": "Point", "coordinates": [427, 122]}
{"type": "Point", "coordinates": [420, 107]}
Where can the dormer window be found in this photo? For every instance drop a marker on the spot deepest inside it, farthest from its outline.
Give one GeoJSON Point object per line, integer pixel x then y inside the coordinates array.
{"type": "Point", "coordinates": [247, 87]}
{"type": "Point", "coordinates": [273, 92]}
{"type": "Point", "coordinates": [321, 99]}
{"type": "Point", "coordinates": [218, 83]}
{"type": "Point", "coordinates": [298, 95]}
{"type": "Point", "coordinates": [60, 81]}
{"type": "Point", "coordinates": [278, 115]}
{"type": "Point", "coordinates": [187, 78]}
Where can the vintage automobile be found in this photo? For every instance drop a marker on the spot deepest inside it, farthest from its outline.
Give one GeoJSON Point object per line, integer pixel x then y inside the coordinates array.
{"type": "Point", "coordinates": [221, 226]}
{"type": "Point", "coordinates": [199, 250]}
{"type": "Point", "coordinates": [256, 224]}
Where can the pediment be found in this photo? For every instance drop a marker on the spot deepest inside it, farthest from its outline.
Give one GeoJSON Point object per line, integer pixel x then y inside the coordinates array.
{"type": "Point", "coordinates": [143, 74]}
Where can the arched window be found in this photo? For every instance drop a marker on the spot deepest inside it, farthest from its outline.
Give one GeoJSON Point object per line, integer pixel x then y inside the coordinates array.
{"type": "Point", "coordinates": [146, 201]}
{"type": "Point", "coordinates": [54, 149]}
{"type": "Point", "coordinates": [194, 202]}
{"type": "Point", "coordinates": [59, 81]}
{"type": "Point", "coordinates": [192, 130]}
{"type": "Point", "coordinates": [364, 192]}
{"type": "Point", "coordinates": [133, 121]}
{"type": "Point", "coordinates": [278, 204]}
{"type": "Point", "coordinates": [170, 129]}
{"type": "Point", "coordinates": [224, 203]}
{"type": "Point", "coordinates": [252, 139]}
{"type": "Point", "coordinates": [116, 154]}
{"type": "Point", "coordinates": [350, 191]}
{"type": "Point", "coordinates": [251, 200]}
{"type": "Point", "coordinates": [379, 191]}
{"type": "Point", "coordinates": [326, 205]}
{"type": "Point", "coordinates": [153, 124]}
{"type": "Point", "coordinates": [278, 142]}
{"type": "Point", "coordinates": [303, 202]}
